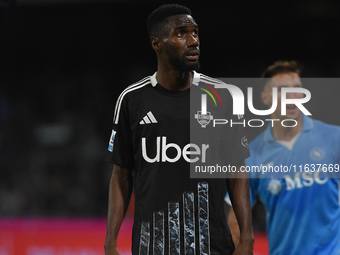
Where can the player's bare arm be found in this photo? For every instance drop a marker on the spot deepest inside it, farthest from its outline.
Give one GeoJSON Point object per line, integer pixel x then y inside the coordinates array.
{"type": "Point", "coordinates": [238, 189]}
{"type": "Point", "coordinates": [119, 197]}
{"type": "Point", "coordinates": [233, 225]}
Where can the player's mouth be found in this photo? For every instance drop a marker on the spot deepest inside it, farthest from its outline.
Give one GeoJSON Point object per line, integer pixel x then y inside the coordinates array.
{"type": "Point", "coordinates": [290, 108]}
{"type": "Point", "coordinates": [192, 55]}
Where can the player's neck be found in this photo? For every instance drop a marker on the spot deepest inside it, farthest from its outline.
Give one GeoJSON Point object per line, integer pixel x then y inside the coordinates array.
{"type": "Point", "coordinates": [174, 80]}
{"type": "Point", "coordinates": [287, 133]}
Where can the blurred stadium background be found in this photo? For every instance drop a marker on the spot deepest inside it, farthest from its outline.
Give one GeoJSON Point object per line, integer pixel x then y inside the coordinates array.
{"type": "Point", "coordinates": [63, 63]}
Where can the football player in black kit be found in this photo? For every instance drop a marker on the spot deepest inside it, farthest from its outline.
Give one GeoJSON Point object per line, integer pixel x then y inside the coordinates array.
{"type": "Point", "coordinates": [151, 152]}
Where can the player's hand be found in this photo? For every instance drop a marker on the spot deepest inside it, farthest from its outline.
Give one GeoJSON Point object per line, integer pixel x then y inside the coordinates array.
{"type": "Point", "coordinates": [244, 248]}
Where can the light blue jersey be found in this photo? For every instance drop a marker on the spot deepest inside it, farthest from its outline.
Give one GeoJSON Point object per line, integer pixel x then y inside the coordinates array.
{"type": "Point", "coordinates": [303, 208]}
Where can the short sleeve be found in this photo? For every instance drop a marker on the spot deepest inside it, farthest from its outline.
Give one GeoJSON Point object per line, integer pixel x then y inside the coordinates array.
{"type": "Point", "coordinates": [235, 135]}
{"type": "Point", "coordinates": [239, 148]}
{"type": "Point", "coordinates": [120, 149]}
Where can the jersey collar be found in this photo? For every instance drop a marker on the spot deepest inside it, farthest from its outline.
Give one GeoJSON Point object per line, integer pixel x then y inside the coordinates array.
{"type": "Point", "coordinates": [307, 125]}
{"type": "Point", "coordinates": [153, 79]}
{"type": "Point", "coordinates": [195, 80]}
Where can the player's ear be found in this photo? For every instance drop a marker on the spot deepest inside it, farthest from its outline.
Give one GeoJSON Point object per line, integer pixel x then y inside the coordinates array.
{"type": "Point", "coordinates": [155, 43]}
{"type": "Point", "coordinates": [266, 97]}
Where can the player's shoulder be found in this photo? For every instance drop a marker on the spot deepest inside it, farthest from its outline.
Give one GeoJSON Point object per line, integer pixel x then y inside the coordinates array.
{"type": "Point", "coordinates": [325, 127]}
{"type": "Point", "coordinates": [130, 92]}
{"type": "Point", "coordinates": [205, 79]}
{"type": "Point", "coordinates": [217, 86]}
{"type": "Point", "coordinates": [136, 87]}
{"type": "Point", "coordinates": [327, 133]}
{"type": "Point", "coordinates": [258, 140]}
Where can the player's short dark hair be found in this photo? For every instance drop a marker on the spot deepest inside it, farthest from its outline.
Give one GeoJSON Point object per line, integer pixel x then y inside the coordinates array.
{"type": "Point", "coordinates": [158, 18]}
{"type": "Point", "coordinates": [282, 67]}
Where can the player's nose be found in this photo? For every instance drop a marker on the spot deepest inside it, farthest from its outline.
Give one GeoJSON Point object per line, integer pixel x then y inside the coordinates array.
{"type": "Point", "coordinates": [193, 41]}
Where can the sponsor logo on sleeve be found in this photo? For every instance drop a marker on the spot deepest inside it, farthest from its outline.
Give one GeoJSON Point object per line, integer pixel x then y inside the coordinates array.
{"type": "Point", "coordinates": [111, 140]}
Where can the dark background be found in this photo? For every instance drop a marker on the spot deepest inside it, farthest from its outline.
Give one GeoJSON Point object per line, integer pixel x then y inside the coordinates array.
{"type": "Point", "coordinates": [63, 65]}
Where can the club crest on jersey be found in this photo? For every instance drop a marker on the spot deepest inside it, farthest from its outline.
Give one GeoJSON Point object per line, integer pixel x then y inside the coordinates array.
{"type": "Point", "coordinates": [274, 186]}
{"type": "Point", "coordinates": [203, 119]}
{"type": "Point", "coordinates": [244, 141]}
{"type": "Point", "coordinates": [317, 153]}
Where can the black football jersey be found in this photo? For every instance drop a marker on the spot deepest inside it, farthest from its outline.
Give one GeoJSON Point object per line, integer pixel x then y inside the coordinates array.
{"type": "Point", "coordinates": [174, 213]}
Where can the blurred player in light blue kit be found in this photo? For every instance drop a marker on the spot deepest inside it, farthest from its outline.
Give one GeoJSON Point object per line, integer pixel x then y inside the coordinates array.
{"type": "Point", "coordinates": [303, 207]}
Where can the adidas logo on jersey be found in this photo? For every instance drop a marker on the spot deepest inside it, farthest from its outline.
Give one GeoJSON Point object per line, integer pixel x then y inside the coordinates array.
{"type": "Point", "coordinates": [148, 119]}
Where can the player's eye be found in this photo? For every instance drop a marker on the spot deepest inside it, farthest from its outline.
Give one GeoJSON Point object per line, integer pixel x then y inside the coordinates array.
{"type": "Point", "coordinates": [180, 33]}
